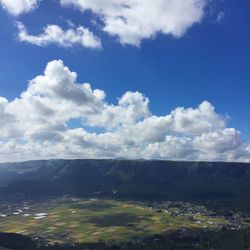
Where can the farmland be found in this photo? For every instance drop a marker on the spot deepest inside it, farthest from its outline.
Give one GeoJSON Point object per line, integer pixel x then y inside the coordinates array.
{"type": "Point", "coordinates": [64, 220]}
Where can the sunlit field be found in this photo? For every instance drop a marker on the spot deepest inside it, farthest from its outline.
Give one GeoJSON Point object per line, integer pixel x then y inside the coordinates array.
{"type": "Point", "coordinates": [92, 220]}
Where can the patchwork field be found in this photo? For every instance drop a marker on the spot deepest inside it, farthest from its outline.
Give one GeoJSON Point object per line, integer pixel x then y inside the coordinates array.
{"type": "Point", "coordinates": [92, 220]}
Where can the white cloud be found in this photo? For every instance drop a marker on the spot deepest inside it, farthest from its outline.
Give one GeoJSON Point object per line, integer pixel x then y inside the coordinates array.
{"type": "Point", "coordinates": [130, 21]}
{"type": "Point", "coordinates": [134, 20]}
{"type": "Point", "coordinates": [51, 100]}
{"type": "Point", "coordinates": [132, 107]}
{"type": "Point", "coordinates": [16, 7]}
{"type": "Point", "coordinates": [7, 121]}
{"type": "Point", "coordinates": [37, 125]}
{"type": "Point", "coordinates": [175, 148]}
{"type": "Point", "coordinates": [204, 116]}
{"type": "Point", "coordinates": [219, 141]}
{"type": "Point", "coordinates": [53, 34]}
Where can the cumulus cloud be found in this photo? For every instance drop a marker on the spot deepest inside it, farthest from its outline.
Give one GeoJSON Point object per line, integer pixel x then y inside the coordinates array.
{"type": "Point", "coordinates": [134, 20]}
{"type": "Point", "coordinates": [132, 107]}
{"type": "Point", "coordinates": [205, 118]}
{"type": "Point", "coordinates": [37, 125]}
{"type": "Point", "coordinates": [51, 100]}
{"type": "Point", "coordinates": [53, 34]}
{"type": "Point", "coordinates": [16, 7]}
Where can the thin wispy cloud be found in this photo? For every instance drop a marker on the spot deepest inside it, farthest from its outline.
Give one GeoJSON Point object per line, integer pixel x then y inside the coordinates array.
{"type": "Point", "coordinates": [53, 34]}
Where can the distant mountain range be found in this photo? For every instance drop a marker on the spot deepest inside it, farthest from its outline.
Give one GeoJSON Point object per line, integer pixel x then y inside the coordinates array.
{"type": "Point", "coordinates": [225, 184]}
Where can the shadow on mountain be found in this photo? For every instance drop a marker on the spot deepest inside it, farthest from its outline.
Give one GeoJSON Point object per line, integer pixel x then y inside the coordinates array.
{"type": "Point", "coordinates": [211, 184]}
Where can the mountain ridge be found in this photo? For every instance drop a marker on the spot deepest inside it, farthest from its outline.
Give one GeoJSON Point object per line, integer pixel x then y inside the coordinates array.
{"type": "Point", "coordinates": [132, 179]}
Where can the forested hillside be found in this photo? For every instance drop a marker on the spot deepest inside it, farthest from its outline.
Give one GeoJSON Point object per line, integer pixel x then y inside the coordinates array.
{"type": "Point", "coordinates": [227, 183]}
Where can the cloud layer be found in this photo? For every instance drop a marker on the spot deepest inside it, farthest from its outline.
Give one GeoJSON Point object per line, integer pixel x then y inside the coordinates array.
{"type": "Point", "coordinates": [38, 125]}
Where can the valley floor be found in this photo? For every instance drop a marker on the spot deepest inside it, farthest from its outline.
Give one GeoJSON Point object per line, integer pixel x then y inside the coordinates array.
{"type": "Point", "coordinates": [71, 220]}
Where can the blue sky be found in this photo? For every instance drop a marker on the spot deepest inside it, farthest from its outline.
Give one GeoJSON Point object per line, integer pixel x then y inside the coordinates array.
{"type": "Point", "coordinates": [210, 61]}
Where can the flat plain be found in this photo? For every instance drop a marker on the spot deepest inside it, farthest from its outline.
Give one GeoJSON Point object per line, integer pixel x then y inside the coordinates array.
{"type": "Point", "coordinates": [92, 220]}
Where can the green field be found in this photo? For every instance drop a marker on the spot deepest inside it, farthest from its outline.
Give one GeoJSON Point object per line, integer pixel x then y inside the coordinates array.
{"type": "Point", "coordinates": [82, 220]}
